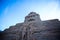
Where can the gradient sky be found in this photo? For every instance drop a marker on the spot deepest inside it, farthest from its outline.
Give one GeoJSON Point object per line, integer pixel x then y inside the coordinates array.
{"type": "Point", "coordinates": [14, 11]}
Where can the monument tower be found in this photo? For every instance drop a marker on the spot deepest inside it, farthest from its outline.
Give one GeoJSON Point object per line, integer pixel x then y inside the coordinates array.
{"type": "Point", "coordinates": [31, 19]}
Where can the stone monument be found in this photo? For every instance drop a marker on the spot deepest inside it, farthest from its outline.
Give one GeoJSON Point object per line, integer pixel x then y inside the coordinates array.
{"type": "Point", "coordinates": [33, 28]}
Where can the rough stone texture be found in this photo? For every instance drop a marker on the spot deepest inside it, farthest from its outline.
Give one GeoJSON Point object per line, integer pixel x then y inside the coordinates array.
{"type": "Point", "coordinates": [34, 29]}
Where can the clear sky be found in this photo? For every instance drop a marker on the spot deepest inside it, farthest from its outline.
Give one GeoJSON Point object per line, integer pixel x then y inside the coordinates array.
{"type": "Point", "coordinates": [14, 11]}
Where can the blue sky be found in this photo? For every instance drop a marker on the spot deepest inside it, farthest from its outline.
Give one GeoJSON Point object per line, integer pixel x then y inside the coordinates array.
{"type": "Point", "coordinates": [14, 11]}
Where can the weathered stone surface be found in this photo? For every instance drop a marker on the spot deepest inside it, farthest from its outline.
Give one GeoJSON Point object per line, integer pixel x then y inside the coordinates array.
{"type": "Point", "coordinates": [33, 29]}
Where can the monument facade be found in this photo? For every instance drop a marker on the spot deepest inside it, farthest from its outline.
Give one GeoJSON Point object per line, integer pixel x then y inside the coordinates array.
{"type": "Point", "coordinates": [33, 28]}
